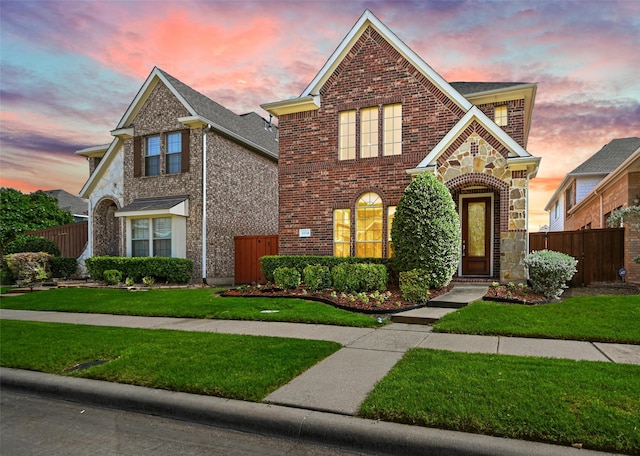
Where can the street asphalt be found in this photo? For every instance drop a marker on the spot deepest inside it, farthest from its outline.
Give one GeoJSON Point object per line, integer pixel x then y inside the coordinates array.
{"type": "Point", "coordinates": [319, 405]}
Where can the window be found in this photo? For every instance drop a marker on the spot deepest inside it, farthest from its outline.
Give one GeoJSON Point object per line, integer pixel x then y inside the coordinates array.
{"type": "Point", "coordinates": [140, 237]}
{"type": "Point", "coordinates": [341, 232]}
{"type": "Point", "coordinates": [152, 156]}
{"type": "Point", "coordinates": [369, 226]}
{"type": "Point", "coordinates": [174, 153]}
{"type": "Point", "coordinates": [156, 242]}
{"type": "Point", "coordinates": [347, 136]}
{"type": "Point", "coordinates": [391, 212]}
{"type": "Point", "coordinates": [501, 116]}
{"type": "Point", "coordinates": [162, 237]}
{"type": "Point", "coordinates": [569, 198]}
{"type": "Point", "coordinates": [392, 130]}
{"type": "Point", "coordinates": [369, 132]}
{"type": "Point", "coordinates": [556, 210]}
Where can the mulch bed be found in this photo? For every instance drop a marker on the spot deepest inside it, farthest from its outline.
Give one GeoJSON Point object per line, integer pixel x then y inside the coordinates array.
{"type": "Point", "coordinates": [392, 303]}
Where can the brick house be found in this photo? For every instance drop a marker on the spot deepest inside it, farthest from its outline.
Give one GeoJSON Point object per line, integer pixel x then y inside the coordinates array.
{"type": "Point", "coordinates": [182, 176]}
{"type": "Point", "coordinates": [374, 116]}
{"type": "Point", "coordinates": [606, 181]}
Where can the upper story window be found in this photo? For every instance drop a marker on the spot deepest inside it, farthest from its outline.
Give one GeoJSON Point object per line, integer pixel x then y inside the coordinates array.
{"type": "Point", "coordinates": [500, 116]}
{"type": "Point", "coordinates": [369, 132]}
{"type": "Point", "coordinates": [347, 136]}
{"type": "Point", "coordinates": [166, 153]}
{"type": "Point", "coordinates": [392, 130]}
{"type": "Point", "coordinates": [174, 153]}
{"type": "Point", "coordinates": [369, 140]}
{"type": "Point", "coordinates": [152, 156]}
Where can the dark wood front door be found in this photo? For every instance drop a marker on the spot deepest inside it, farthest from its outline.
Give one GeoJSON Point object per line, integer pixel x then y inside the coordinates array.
{"type": "Point", "coordinates": [476, 236]}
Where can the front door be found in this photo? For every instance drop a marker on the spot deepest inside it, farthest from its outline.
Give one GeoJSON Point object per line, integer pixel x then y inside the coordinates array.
{"type": "Point", "coordinates": [476, 236]}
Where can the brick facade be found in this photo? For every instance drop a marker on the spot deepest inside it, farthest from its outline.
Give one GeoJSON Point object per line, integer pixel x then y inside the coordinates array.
{"type": "Point", "coordinates": [241, 188]}
{"type": "Point", "coordinates": [313, 181]}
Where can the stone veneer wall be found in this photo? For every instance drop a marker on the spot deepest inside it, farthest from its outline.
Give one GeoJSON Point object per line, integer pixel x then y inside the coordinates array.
{"type": "Point", "coordinates": [476, 163]}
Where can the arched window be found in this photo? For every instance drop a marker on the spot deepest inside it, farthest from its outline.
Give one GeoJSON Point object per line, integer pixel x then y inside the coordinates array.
{"type": "Point", "coordinates": [369, 236]}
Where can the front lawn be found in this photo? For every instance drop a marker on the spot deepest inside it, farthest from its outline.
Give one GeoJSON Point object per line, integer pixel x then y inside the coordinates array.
{"type": "Point", "coordinates": [549, 400]}
{"type": "Point", "coordinates": [592, 318]}
{"type": "Point", "coordinates": [185, 303]}
{"type": "Point", "coordinates": [224, 365]}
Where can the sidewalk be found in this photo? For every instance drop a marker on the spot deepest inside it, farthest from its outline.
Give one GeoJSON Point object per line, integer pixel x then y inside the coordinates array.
{"type": "Point", "coordinates": [338, 384]}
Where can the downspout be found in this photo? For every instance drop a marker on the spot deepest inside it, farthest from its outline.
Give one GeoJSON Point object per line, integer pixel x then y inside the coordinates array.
{"type": "Point", "coordinates": [204, 203]}
{"type": "Point", "coordinates": [526, 223]}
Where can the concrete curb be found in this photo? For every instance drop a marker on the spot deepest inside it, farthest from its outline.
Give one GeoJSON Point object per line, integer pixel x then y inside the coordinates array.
{"type": "Point", "coordinates": [346, 432]}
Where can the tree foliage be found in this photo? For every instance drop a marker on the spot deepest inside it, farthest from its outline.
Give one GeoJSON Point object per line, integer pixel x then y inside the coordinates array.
{"type": "Point", "coordinates": [426, 231]}
{"type": "Point", "coordinates": [21, 212]}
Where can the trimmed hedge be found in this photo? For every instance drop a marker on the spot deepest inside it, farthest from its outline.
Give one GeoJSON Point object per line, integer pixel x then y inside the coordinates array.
{"type": "Point", "coordinates": [286, 277]}
{"type": "Point", "coordinates": [270, 263]}
{"type": "Point", "coordinates": [359, 277]}
{"type": "Point", "coordinates": [62, 267]}
{"type": "Point", "coordinates": [414, 285]}
{"type": "Point", "coordinates": [162, 269]}
{"type": "Point", "coordinates": [317, 277]}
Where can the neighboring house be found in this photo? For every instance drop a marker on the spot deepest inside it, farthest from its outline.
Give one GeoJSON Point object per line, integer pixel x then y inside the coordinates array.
{"type": "Point", "coordinates": [73, 204]}
{"type": "Point", "coordinates": [182, 176]}
{"type": "Point", "coordinates": [374, 116]}
{"type": "Point", "coordinates": [608, 180]}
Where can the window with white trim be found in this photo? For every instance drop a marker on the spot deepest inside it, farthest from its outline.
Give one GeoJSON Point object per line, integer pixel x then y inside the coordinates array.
{"type": "Point", "coordinates": [369, 226]}
{"type": "Point", "coordinates": [369, 132]}
{"type": "Point", "coordinates": [147, 242]}
{"type": "Point", "coordinates": [341, 232]}
{"type": "Point", "coordinates": [174, 153]}
{"type": "Point", "coordinates": [501, 116]}
{"type": "Point", "coordinates": [347, 135]}
{"type": "Point", "coordinates": [152, 156]}
{"type": "Point", "coordinates": [391, 212]}
{"type": "Point", "coordinates": [392, 130]}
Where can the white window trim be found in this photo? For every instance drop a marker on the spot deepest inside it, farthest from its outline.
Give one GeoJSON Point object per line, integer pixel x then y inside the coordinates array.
{"type": "Point", "coordinates": [178, 234]}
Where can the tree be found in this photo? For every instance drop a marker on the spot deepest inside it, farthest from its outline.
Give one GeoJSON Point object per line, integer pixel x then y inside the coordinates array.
{"type": "Point", "coordinates": [426, 231]}
{"type": "Point", "coordinates": [25, 212]}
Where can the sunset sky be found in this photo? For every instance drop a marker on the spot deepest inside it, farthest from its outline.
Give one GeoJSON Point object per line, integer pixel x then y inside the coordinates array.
{"type": "Point", "coordinates": [70, 68]}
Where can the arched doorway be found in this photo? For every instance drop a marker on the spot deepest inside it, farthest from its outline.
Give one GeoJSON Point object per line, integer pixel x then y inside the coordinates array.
{"type": "Point", "coordinates": [106, 229]}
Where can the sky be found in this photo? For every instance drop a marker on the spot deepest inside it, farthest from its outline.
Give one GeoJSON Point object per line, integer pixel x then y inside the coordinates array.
{"type": "Point", "coordinates": [70, 68]}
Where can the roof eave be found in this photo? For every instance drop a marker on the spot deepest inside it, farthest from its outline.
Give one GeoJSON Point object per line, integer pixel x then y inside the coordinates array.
{"type": "Point", "coordinates": [293, 105]}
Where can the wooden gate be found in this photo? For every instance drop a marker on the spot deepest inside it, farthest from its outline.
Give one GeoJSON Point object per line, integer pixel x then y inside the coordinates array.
{"type": "Point", "coordinates": [600, 253]}
{"type": "Point", "coordinates": [71, 238]}
{"type": "Point", "coordinates": [248, 250]}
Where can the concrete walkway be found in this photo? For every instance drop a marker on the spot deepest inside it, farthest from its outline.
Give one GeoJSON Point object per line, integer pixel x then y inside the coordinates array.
{"type": "Point", "coordinates": [340, 382]}
{"type": "Point", "coordinates": [320, 404]}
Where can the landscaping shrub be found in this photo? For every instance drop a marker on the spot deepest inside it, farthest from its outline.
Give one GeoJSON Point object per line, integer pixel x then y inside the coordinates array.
{"type": "Point", "coordinates": [62, 267]}
{"type": "Point", "coordinates": [270, 263]}
{"type": "Point", "coordinates": [286, 277]}
{"type": "Point", "coordinates": [162, 269]}
{"type": "Point", "coordinates": [28, 243]}
{"type": "Point", "coordinates": [549, 271]}
{"type": "Point", "coordinates": [112, 276]}
{"type": "Point", "coordinates": [414, 285]}
{"type": "Point", "coordinates": [28, 267]}
{"type": "Point", "coordinates": [426, 231]}
{"type": "Point", "coordinates": [317, 277]}
{"type": "Point", "coordinates": [359, 277]}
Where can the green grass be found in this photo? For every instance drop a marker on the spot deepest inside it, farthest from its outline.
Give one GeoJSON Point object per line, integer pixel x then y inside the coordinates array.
{"type": "Point", "coordinates": [593, 318]}
{"type": "Point", "coordinates": [549, 400]}
{"type": "Point", "coordinates": [230, 366]}
{"type": "Point", "coordinates": [185, 303]}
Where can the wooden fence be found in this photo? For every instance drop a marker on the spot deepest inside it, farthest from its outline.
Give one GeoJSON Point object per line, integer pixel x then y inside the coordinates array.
{"type": "Point", "coordinates": [248, 250]}
{"type": "Point", "coordinates": [600, 253]}
{"type": "Point", "coordinates": [71, 238]}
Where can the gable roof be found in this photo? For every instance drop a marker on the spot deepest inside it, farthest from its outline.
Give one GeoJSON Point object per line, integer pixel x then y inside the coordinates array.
{"type": "Point", "coordinates": [608, 159]}
{"type": "Point", "coordinates": [70, 203]}
{"type": "Point", "coordinates": [310, 98]}
{"type": "Point", "coordinates": [517, 154]}
{"type": "Point", "coordinates": [250, 130]}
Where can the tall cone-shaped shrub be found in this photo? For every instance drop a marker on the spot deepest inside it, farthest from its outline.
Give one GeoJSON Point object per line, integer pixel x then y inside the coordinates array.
{"type": "Point", "coordinates": [426, 231]}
